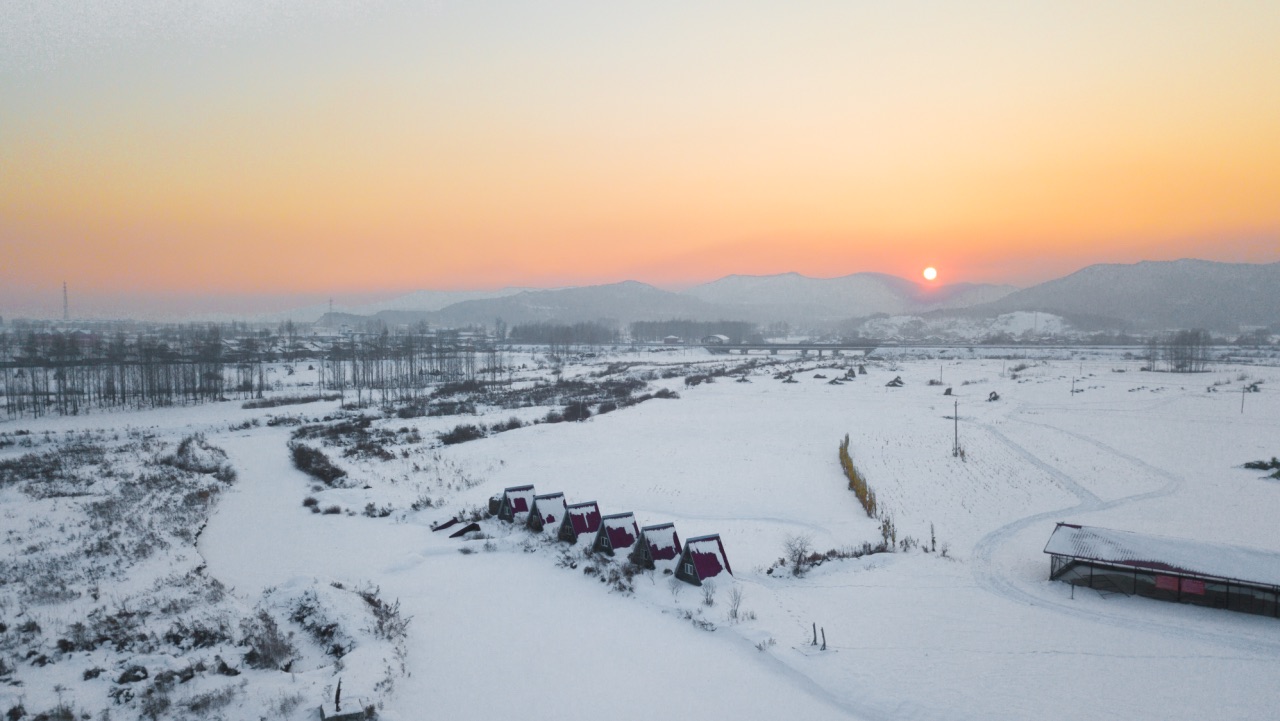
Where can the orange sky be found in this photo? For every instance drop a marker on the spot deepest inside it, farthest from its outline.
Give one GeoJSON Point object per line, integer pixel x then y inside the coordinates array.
{"type": "Point", "coordinates": [473, 145]}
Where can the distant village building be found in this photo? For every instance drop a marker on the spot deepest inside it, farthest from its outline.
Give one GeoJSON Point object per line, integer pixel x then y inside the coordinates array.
{"type": "Point", "coordinates": [715, 340]}
{"type": "Point", "coordinates": [516, 502]}
{"type": "Point", "coordinates": [580, 519]}
{"type": "Point", "coordinates": [547, 510]}
{"type": "Point", "coordinates": [672, 340]}
{"type": "Point", "coordinates": [703, 558]}
{"type": "Point", "coordinates": [617, 532]}
{"type": "Point", "coordinates": [1170, 569]}
{"type": "Point", "coordinates": [659, 546]}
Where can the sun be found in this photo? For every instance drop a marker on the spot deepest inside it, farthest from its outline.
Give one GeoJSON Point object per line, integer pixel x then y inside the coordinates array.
{"type": "Point", "coordinates": [930, 273]}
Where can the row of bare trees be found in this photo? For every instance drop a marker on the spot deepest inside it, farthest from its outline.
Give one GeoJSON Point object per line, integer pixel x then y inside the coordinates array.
{"type": "Point", "coordinates": [52, 371]}
{"type": "Point", "coordinates": [70, 372]}
{"type": "Point", "coordinates": [1183, 351]}
{"type": "Point", "coordinates": [385, 368]}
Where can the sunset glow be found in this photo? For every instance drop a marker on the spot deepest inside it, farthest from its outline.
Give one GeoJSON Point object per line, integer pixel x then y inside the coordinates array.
{"type": "Point", "coordinates": [930, 273]}
{"type": "Point", "coordinates": [478, 146]}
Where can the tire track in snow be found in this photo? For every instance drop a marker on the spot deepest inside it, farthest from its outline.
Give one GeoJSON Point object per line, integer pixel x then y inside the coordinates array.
{"type": "Point", "coordinates": [996, 580]}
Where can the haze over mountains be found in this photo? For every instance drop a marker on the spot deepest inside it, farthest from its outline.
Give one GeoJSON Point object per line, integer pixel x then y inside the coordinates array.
{"type": "Point", "coordinates": [1141, 296]}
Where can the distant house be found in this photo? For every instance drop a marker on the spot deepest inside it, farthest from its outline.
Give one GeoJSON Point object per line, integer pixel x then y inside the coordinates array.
{"type": "Point", "coordinates": [516, 502]}
{"type": "Point", "coordinates": [580, 519]}
{"type": "Point", "coordinates": [703, 558]}
{"type": "Point", "coordinates": [715, 340]}
{"type": "Point", "coordinates": [547, 510]}
{"type": "Point", "coordinates": [658, 545]}
{"type": "Point", "coordinates": [672, 340]}
{"type": "Point", "coordinates": [617, 532]}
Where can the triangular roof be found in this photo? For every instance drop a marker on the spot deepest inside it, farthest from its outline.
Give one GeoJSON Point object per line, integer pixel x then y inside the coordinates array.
{"type": "Point", "coordinates": [663, 543]}
{"type": "Point", "coordinates": [516, 501]}
{"type": "Point", "coordinates": [620, 529]}
{"type": "Point", "coordinates": [706, 555]}
{"type": "Point", "coordinates": [550, 506]}
{"type": "Point", "coordinates": [582, 518]}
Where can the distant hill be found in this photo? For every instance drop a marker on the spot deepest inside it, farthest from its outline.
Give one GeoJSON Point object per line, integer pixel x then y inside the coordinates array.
{"type": "Point", "coordinates": [622, 302]}
{"type": "Point", "coordinates": [1157, 295]}
{"type": "Point", "coordinates": [795, 297]}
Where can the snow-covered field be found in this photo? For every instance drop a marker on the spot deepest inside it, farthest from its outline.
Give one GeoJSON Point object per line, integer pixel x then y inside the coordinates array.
{"type": "Point", "coordinates": [515, 624]}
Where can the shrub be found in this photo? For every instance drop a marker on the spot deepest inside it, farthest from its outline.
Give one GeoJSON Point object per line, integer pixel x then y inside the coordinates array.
{"type": "Point", "coordinates": [510, 424]}
{"type": "Point", "coordinates": [315, 463]}
{"type": "Point", "coordinates": [310, 502]}
{"type": "Point", "coordinates": [332, 510]}
{"type": "Point", "coordinates": [577, 411]}
{"type": "Point", "coordinates": [388, 623]}
{"type": "Point", "coordinates": [461, 434]}
{"type": "Point", "coordinates": [857, 483]}
{"type": "Point", "coordinates": [268, 647]}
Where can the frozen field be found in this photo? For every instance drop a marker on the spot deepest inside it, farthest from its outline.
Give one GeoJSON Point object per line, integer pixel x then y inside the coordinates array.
{"type": "Point", "coordinates": [976, 633]}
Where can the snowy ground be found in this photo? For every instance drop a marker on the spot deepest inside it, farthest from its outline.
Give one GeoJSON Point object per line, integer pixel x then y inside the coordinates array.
{"type": "Point", "coordinates": [981, 633]}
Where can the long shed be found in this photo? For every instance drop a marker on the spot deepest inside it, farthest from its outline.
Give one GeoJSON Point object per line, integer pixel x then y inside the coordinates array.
{"type": "Point", "coordinates": [703, 557]}
{"type": "Point", "coordinates": [1170, 569]}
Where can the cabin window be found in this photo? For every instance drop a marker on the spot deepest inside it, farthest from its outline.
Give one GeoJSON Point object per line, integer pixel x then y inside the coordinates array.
{"type": "Point", "coordinates": [688, 569]}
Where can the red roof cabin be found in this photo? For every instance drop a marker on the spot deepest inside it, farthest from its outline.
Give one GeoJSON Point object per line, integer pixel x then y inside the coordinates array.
{"type": "Point", "coordinates": [516, 503]}
{"type": "Point", "coordinates": [703, 558]}
{"type": "Point", "coordinates": [580, 519]}
{"type": "Point", "coordinates": [547, 510]}
{"type": "Point", "coordinates": [618, 532]}
{"type": "Point", "coordinates": [659, 545]}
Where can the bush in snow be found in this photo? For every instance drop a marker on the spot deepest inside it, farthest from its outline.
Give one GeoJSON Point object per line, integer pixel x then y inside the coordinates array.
{"type": "Point", "coordinates": [268, 646]}
{"type": "Point", "coordinates": [461, 434]}
{"type": "Point", "coordinates": [315, 463]}
{"type": "Point", "coordinates": [857, 483]}
{"type": "Point", "coordinates": [577, 411]}
{"type": "Point", "coordinates": [797, 549]}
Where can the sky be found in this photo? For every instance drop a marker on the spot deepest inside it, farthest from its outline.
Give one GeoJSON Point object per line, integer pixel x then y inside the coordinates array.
{"type": "Point", "coordinates": [255, 154]}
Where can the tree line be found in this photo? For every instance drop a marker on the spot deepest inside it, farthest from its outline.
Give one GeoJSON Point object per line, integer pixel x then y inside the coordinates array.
{"type": "Point", "coordinates": [50, 371]}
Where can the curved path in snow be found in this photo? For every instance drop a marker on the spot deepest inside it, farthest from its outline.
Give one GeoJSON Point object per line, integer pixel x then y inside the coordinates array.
{"type": "Point", "coordinates": [992, 573]}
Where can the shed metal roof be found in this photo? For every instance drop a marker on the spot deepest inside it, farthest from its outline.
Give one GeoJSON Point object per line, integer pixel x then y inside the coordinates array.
{"type": "Point", "coordinates": [1161, 553]}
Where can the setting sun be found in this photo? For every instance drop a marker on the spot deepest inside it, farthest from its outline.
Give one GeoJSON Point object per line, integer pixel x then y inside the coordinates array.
{"type": "Point", "coordinates": [930, 273]}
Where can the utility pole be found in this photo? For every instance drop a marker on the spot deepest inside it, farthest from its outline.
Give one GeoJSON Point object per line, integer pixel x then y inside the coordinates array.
{"type": "Point", "coordinates": [1243, 389]}
{"type": "Point", "coordinates": [955, 446]}
{"type": "Point", "coordinates": [66, 308]}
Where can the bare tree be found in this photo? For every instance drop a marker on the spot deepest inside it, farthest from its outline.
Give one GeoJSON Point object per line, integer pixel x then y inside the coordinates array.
{"type": "Point", "coordinates": [797, 549]}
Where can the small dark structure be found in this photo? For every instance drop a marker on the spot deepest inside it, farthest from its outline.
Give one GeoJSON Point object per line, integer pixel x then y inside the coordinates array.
{"type": "Point", "coordinates": [658, 545]}
{"type": "Point", "coordinates": [547, 510]}
{"type": "Point", "coordinates": [1170, 569]}
{"type": "Point", "coordinates": [443, 525]}
{"type": "Point", "coordinates": [895, 383]}
{"type": "Point", "coordinates": [516, 502]}
{"type": "Point", "coordinates": [617, 532]}
{"type": "Point", "coordinates": [580, 519]}
{"type": "Point", "coordinates": [469, 528]}
{"type": "Point", "coordinates": [703, 558]}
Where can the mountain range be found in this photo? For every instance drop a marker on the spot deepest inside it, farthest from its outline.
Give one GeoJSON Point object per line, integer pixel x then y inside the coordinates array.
{"type": "Point", "coordinates": [1150, 295]}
